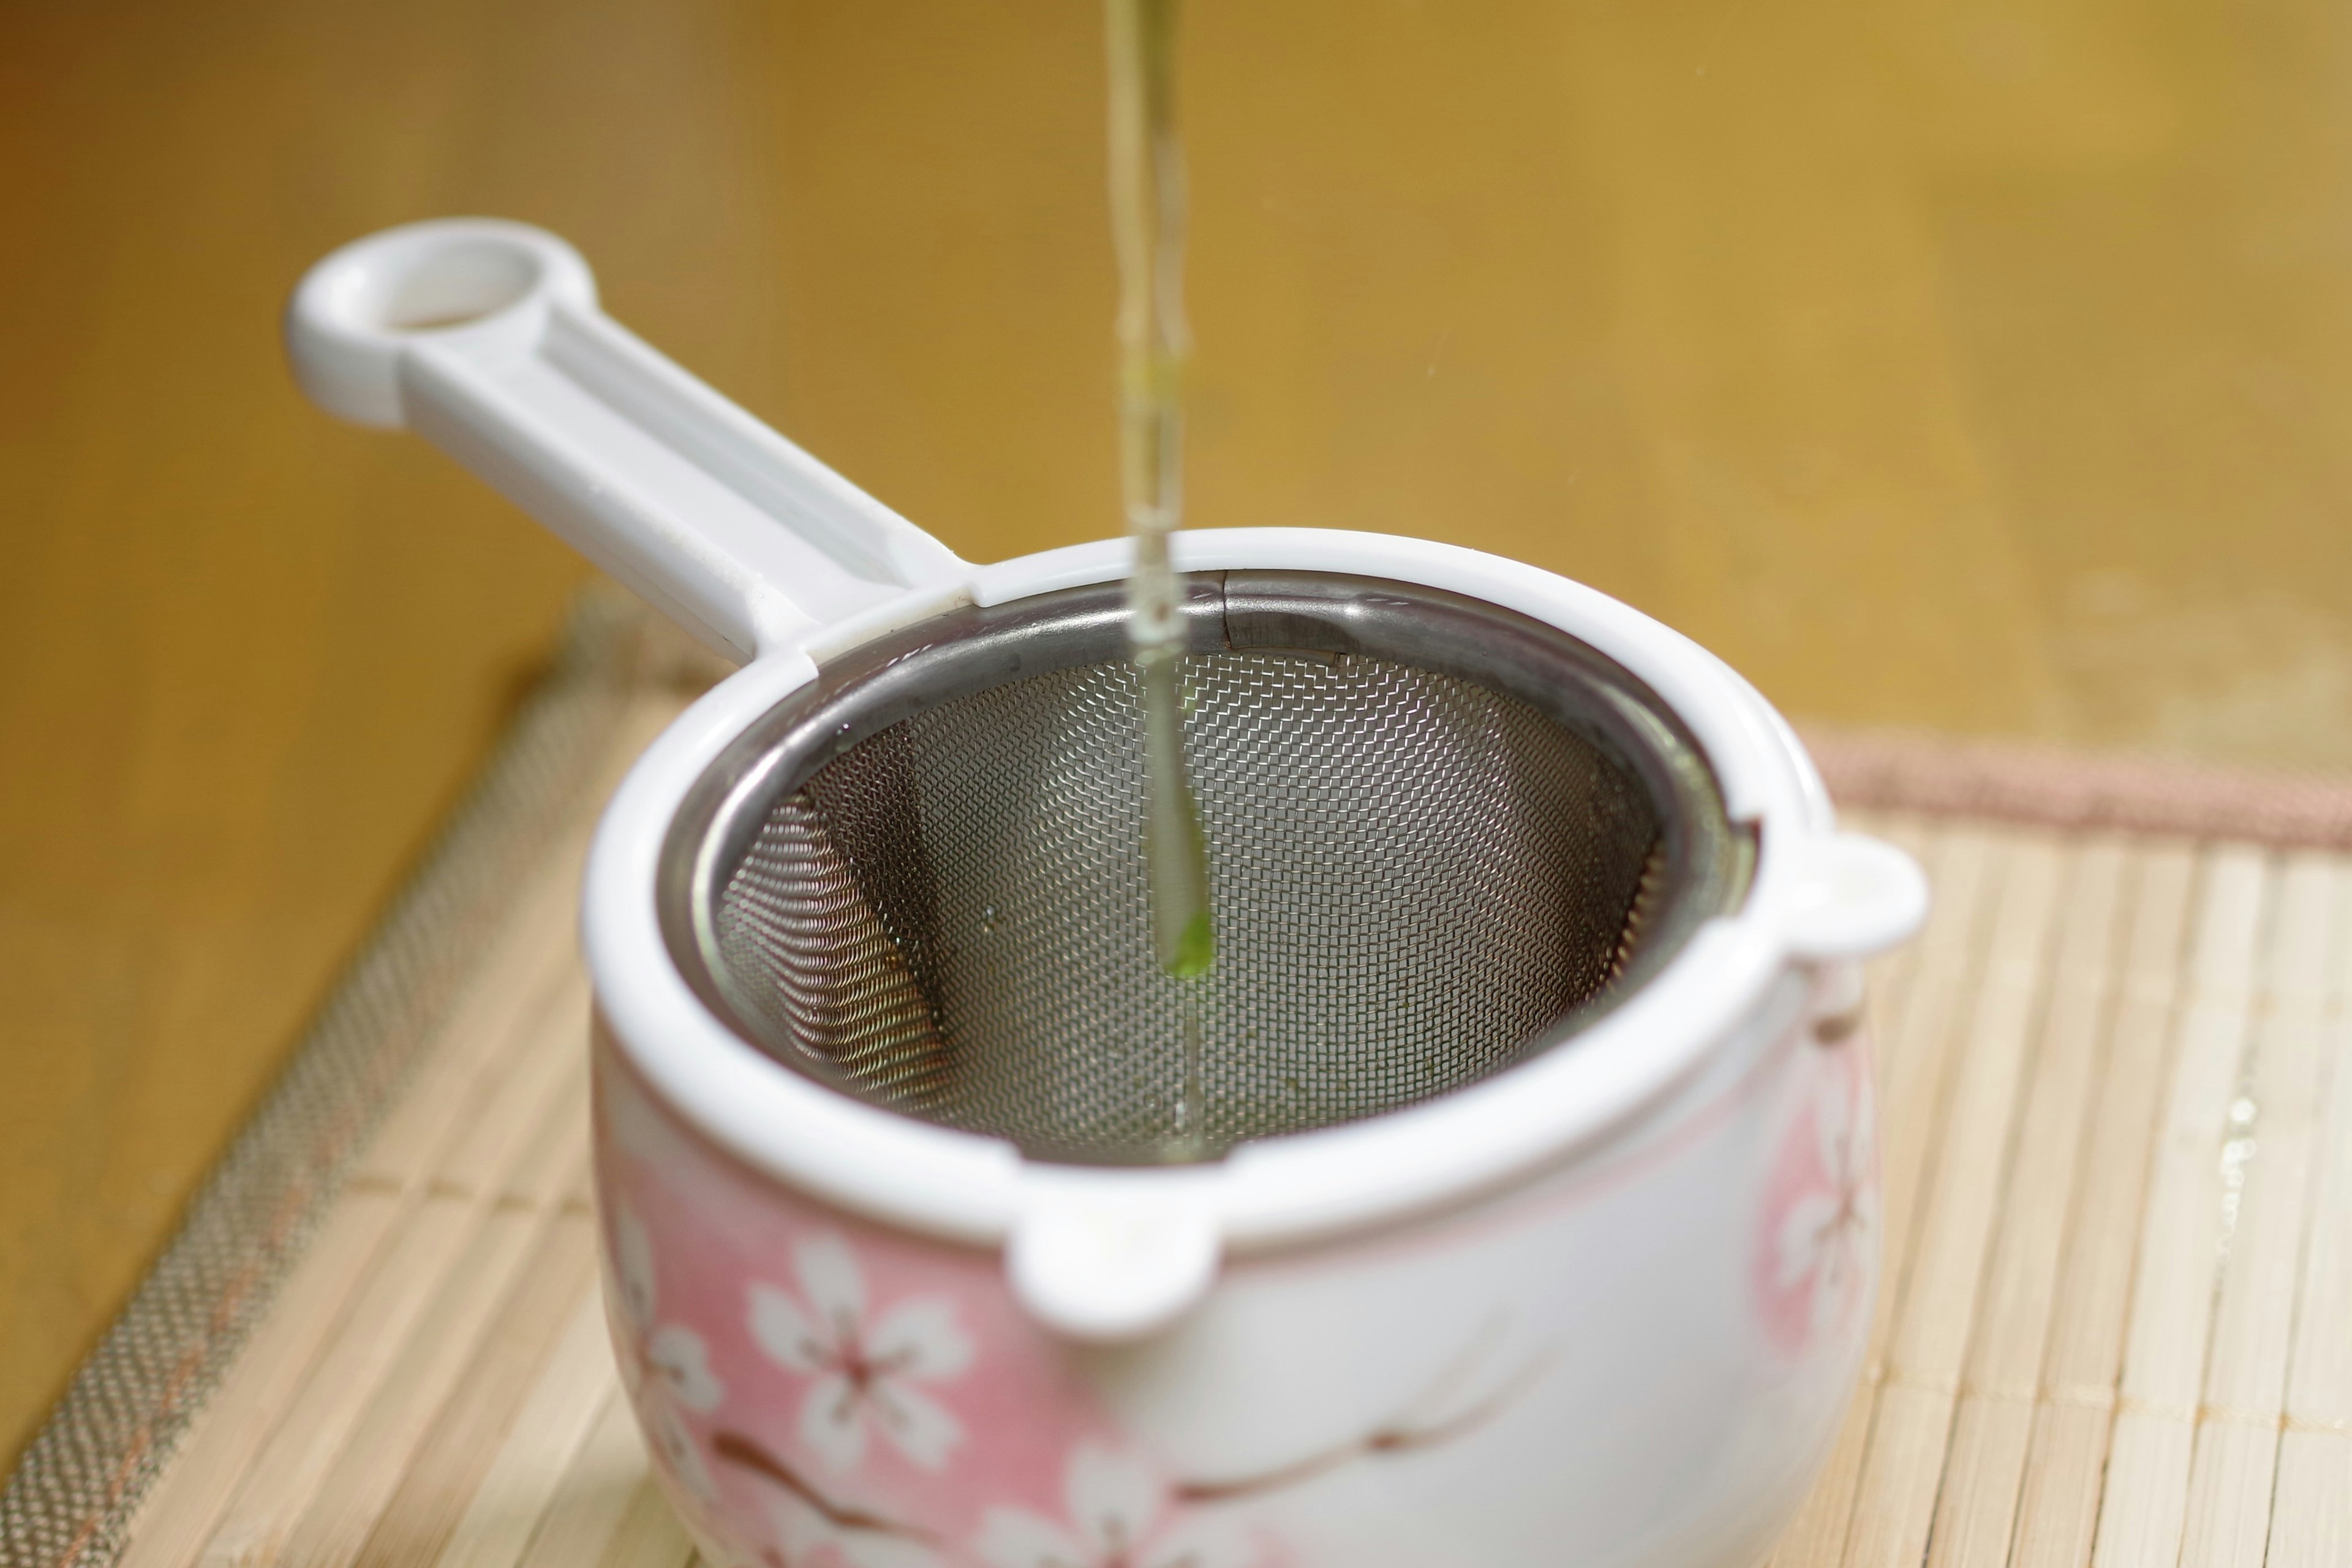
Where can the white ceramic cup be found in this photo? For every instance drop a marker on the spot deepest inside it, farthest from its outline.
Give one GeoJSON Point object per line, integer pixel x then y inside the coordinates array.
{"type": "Point", "coordinates": [1603, 1308]}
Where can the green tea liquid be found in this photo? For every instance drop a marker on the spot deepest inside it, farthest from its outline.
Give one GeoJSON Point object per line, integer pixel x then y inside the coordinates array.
{"type": "Point", "coordinates": [1147, 191]}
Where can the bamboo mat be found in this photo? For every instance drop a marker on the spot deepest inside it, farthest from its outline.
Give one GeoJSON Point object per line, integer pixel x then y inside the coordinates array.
{"type": "Point", "coordinates": [2115, 1329]}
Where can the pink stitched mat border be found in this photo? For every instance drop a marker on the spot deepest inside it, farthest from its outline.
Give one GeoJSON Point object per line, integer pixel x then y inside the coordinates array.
{"type": "Point", "coordinates": [2057, 786]}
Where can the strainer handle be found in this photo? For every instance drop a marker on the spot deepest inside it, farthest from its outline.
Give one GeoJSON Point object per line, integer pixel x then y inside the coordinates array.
{"type": "Point", "coordinates": [485, 337]}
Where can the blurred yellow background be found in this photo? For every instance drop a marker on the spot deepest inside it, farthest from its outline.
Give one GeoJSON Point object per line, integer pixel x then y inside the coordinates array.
{"type": "Point", "coordinates": [1984, 366]}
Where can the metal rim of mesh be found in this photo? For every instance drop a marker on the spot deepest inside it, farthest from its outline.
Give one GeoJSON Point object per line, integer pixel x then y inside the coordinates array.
{"type": "Point", "coordinates": [1698, 866]}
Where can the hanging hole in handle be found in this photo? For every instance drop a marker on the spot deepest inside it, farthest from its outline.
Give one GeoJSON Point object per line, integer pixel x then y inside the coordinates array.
{"type": "Point", "coordinates": [359, 310]}
{"type": "Point", "coordinates": [455, 285]}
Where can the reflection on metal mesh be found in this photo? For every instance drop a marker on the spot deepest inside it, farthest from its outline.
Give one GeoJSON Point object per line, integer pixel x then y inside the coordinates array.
{"type": "Point", "coordinates": [1414, 875]}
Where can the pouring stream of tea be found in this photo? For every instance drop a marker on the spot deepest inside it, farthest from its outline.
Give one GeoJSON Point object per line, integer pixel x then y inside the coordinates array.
{"type": "Point", "coordinates": [1146, 201]}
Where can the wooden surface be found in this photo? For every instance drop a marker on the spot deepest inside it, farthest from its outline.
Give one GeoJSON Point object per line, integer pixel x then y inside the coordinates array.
{"type": "Point", "coordinates": [1982, 365]}
{"type": "Point", "coordinates": [2116, 1085]}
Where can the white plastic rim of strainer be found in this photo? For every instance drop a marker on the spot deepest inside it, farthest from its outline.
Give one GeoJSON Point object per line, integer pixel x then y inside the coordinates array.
{"type": "Point", "coordinates": [485, 337]}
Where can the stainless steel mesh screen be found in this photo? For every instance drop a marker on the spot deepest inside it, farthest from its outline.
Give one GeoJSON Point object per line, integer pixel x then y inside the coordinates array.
{"type": "Point", "coordinates": [1413, 876]}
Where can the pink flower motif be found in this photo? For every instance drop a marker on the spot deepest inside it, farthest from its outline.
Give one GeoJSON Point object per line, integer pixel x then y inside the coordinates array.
{"type": "Point", "coordinates": [1118, 1518]}
{"type": "Point", "coordinates": [806, 1539]}
{"type": "Point", "coordinates": [1822, 1245]}
{"type": "Point", "coordinates": [865, 1372]}
{"type": "Point", "coordinates": [667, 1365]}
{"type": "Point", "coordinates": [675, 1354]}
{"type": "Point", "coordinates": [676, 1445]}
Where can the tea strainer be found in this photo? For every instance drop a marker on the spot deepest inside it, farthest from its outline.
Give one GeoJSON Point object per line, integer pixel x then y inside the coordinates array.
{"type": "Point", "coordinates": [1493, 858]}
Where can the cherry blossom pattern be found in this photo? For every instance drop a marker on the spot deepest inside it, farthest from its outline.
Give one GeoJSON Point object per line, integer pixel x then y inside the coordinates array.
{"type": "Point", "coordinates": [863, 1369]}
{"type": "Point", "coordinates": [1825, 1236]}
{"type": "Point", "coordinates": [807, 1539]}
{"type": "Point", "coordinates": [665, 1366]}
{"type": "Point", "coordinates": [1118, 1518]}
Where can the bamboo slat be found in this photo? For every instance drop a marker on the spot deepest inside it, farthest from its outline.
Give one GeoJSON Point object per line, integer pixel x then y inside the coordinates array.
{"type": "Point", "coordinates": [1976, 1508]}
{"type": "Point", "coordinates": [599, 1488]}
{"type": "Point", "coordinates": [1961, 1191]}
{"type": "Point", "coordinates": [2311, 1508]}
{"type": "Point", "coordinates": [2264, 1207]}
{"type": "Point", "coordinates": [2143, 1512]}
{"type": "Point", "coordinates": [575, 1388]}
{"type": "Point", "coordinates": [2058, 1503]}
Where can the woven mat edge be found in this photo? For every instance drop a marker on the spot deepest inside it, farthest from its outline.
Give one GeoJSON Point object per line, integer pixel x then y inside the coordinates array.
{"type": "Point", "coordinates": [80, 1479]}
{"type": "Point", "coordinates": [2053, 785]}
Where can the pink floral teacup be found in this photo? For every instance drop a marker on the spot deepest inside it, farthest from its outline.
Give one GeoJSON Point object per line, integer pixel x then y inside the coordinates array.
{"type": "Point", "coordinates": [1505, 1196]}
